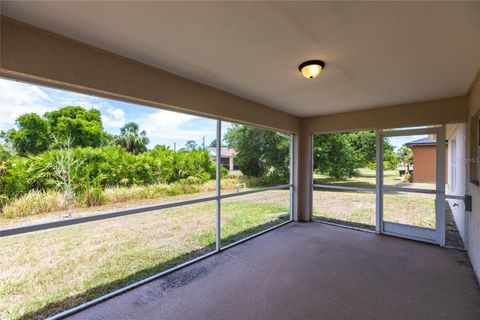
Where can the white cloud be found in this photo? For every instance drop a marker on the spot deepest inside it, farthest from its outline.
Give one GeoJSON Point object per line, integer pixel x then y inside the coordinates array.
{"type": "Point", "coordinates": [162, 126]}
{"type": "Point", "coordinates": [167, 127]}
{"type": "Point", "coordinates": [112, 118]}
{"type": "Point", "coordinates": [18, 98]}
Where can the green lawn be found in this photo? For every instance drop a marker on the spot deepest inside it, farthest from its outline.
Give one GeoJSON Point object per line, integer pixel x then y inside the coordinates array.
{"type": "Point", "coordinates": [358, 208]}
{"type": "Point", "coordinates": [45, 272]}
{"type": "Point", "coordinates": [365, 178]}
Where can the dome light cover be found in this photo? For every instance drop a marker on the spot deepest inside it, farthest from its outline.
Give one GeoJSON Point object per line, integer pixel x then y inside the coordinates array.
{"type": "Point", "coordinates": [312, 68]}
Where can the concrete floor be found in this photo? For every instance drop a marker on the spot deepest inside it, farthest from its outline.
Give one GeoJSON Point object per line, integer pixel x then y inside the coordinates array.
{"type": "Point", "coordinates": [310, 271]}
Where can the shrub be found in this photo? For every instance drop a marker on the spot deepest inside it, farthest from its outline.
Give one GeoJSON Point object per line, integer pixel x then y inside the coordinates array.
{"type": "Point", "coordinates": [35, 202]}
{"type": "Point", "coordinates": [102, 176]}
{"type": "Point", "coordinates": [103, 168]}
{"type": "Point", "coordinates": [14, 177]}
{"type": "Point", "coordinates": [94, 197]}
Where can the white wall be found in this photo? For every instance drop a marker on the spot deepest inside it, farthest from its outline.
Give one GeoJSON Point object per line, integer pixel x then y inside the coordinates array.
{"type": "Point", "coordinates": [457, 175]}
{"type": "Point", "coordinates": [473, 217]}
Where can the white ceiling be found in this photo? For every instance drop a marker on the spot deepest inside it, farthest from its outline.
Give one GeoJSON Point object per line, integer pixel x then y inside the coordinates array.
{"type": "Point", "coordinates": [377, 54]}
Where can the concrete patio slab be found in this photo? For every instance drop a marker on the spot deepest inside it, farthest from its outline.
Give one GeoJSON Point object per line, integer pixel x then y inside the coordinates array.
{"type": "Point", "coordinates": [310, 271]}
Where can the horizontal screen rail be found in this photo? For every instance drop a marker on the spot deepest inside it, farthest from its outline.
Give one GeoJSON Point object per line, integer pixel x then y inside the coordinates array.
{"type": "Point", "coordinates": [413, 190]}
{"type": "Point", "coordinates": [455, 197]}
{"type": "Point", "coordinates": [237, 194]}
{"type": "Point", "coordinates": [96, 217]}
{"type": "Point", "coordinates": [334, 187]}
{"type": "Point", "coordinates": [409, 132]}
{"type": "Point", "coordinates": [120, 213]}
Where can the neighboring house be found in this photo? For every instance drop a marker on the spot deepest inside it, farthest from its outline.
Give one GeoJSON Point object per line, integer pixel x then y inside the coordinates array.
{"type": "Point", "coordinates": [424, 159]}
{"type": "Point", "coordinates": [227, 157]}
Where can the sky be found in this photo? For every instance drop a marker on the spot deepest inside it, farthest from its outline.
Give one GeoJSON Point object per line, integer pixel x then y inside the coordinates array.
{"type": "Point", "coordinates": [398, 142]}
{"type": "Point", "coordinates": [163, 127]}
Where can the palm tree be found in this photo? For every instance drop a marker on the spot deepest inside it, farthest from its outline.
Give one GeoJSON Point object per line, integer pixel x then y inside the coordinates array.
{"type": "Point", "coordinates": [131, 139]}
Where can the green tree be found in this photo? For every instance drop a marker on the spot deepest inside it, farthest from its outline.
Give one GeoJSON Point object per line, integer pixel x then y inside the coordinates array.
{"type": "Point", "coordinates": [334, 155]}
{"type": "Point", "coordinates": [132, 139]}
{"type": "Point", "coordinates": [261, 153]}
{"type": "Point", "coordinates": [405, 157]}
{"type": "Point", "coordinates": [83, 126]}
{"type": "Point", "coordinates": [363, 145]}
{"type": "Point", "coordinates": [31, 136]}
{"type": "Point", "coordinates": [213, 144]}
{"type": "Point", "coordinates": [339, 155]}
{"type": "Point", "coordinates": [191, 145]}
{"type": "Point", "coordinates": [390, 158]}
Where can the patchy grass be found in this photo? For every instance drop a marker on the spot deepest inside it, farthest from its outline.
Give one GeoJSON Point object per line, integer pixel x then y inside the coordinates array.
{"type": "Point", "coordinates": [366, 178]}
{"type": "Point", "coordinates": [358, 208]}
{"type": "Point", "coordinates": [351, 208]}
{"type": "Point", "coordinates": [413, 209]}
{"type": "Point", "coordinates": [45, 272]}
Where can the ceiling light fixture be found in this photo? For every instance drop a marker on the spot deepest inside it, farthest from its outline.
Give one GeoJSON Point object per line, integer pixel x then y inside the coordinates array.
{"type": "Point", "coordinates": [312, 68]}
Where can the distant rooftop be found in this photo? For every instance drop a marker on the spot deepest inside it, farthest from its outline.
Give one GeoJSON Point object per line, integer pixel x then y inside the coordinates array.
{"type": "Point", "coordinates": [225, 152]}
{"type": "Point", "coordinates": [422, 142]}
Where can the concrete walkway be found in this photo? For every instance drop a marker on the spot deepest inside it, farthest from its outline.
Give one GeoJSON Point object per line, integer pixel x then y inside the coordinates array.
{"type": "Point", "coordinates": [310, 271]}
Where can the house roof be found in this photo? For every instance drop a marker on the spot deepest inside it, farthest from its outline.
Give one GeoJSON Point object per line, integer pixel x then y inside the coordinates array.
{"type": "Point", "coordinates": [422, 142]}
{"type": "Point", "coordinates": [225, 152]}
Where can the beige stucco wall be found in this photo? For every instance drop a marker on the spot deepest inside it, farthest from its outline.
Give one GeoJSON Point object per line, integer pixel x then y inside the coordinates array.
{"type": "Point", "coordinates": [31, 54]}
{"type": "Point", "coordinates": [451, 110]}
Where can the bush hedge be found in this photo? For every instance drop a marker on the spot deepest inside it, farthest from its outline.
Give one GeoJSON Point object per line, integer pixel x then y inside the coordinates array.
{"type": "Point", "coordinates": [95, 169]}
